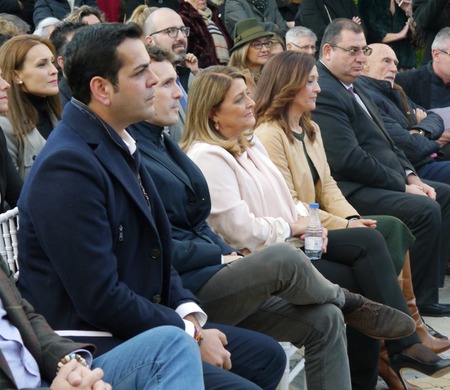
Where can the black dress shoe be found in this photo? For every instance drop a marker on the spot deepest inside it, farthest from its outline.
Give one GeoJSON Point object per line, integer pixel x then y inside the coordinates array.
{"type": "Point", "coordinates": [400, 362]}
{"type": "Point", "coordinates": [434, 332]}
{"type": "Point", "coordinates": [434, 309]}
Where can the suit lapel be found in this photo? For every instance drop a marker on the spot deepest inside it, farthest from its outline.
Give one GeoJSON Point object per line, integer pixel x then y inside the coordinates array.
{"type": "Point", "coordinates": [4, 366]}
{"type": "Point", "coordinates": [373, 110]}
{"type": "Point", "coordinates": [10, 299]}
{"type": "Point", "coordinates": [123, 173]}
{"type": "Point", "coordinates": [103, 142]}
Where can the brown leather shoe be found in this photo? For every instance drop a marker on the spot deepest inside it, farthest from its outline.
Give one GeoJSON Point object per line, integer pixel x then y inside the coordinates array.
{"type": "Point", "coordinates": [374, 319]}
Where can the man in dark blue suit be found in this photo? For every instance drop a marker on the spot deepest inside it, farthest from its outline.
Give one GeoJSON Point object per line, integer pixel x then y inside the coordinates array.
{"type": "Point", "coordinates": [95, 242]}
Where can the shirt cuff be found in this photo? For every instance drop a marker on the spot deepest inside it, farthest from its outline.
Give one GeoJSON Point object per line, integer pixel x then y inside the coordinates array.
{"type": "Point", "coordinates": [283, 230]}
{"type": "Point", "coordinates": [302, 211]}
{"type": "Point", "coordinates": [86, 355]}
{"type": "Point", "coordinates": [192, 308]}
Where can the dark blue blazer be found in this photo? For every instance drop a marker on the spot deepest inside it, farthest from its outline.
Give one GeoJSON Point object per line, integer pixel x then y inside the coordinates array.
{"type": "Point", "coordinates": [197, 250]}
{"type": "Point", "coordinates": [388, 100]}
{"type": "Point", "coordinates": [93, 254]}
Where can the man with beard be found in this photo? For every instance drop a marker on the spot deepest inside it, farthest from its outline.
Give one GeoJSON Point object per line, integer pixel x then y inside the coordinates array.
{"type": "Point", "coordinates": [165, 28]}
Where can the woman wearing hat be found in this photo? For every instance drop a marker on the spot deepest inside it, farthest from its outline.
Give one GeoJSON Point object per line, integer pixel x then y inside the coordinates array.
{"type": "Point", "coordinates": [251, 50]}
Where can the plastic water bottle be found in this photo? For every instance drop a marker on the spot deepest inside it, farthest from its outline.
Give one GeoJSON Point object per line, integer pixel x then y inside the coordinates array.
{"type": "Point", "coordinates": [313, 235]}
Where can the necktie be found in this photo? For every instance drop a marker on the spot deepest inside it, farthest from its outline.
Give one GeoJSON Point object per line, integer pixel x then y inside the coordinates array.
{"type": "Point", "coordinates": [351, 91]}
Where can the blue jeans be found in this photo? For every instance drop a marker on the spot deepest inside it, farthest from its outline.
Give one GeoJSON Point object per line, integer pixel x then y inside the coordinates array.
{"type": "Point", "coordinates": [436, 170]}
{"type": "Point", "coordinates": [161, 358]}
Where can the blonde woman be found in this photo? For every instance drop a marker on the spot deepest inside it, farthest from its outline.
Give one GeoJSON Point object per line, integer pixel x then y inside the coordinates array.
{"type": "Point", "coordinates": [251, 50]}
{"type": "Point", "coordinates": [27, 62]}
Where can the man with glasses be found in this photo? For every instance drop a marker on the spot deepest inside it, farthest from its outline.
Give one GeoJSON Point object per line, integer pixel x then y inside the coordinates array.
{"type": "Point", "coordinates": [165, 28]}
{"type": "Point", "coordinates": [302, 40]}
{"type": "Point", "coordinates": [375, 176]}
{"type": "Point", "coordinates": [429, 85]}
{"type": "Point", "coordinates": [414, 130]}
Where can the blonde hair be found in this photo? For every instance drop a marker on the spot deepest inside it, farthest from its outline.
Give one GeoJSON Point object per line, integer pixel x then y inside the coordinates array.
{"type": "Point", "coordinates": [238, 57]}
{"type": "Point", "coordinates": [140, 15]}
{"type": "Point", "coordinates": [206, 94]}
{"type": "Point", "coordinates": [78, 13]}
{"type": "Point", "coordinates": [21, 112]}
{"type": "Point", "coordinates": [8, 28]}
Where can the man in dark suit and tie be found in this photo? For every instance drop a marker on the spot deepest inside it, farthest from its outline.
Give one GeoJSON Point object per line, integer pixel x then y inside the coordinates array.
{"type": "Point", "coordinates": [373, 174]}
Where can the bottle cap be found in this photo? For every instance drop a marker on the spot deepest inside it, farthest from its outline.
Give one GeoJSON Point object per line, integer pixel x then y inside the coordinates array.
{"type": "Point", "coordinates": [314, 205]}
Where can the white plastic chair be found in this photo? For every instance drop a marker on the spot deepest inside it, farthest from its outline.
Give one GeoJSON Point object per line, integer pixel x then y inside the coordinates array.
{"type": "Point", "coordinates": [9, 224]}
{"type": "Point", "coordinates": [289, 374]}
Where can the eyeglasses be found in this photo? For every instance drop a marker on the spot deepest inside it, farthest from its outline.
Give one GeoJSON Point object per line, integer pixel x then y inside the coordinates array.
{"type": "Point", "coordinates": [305, 47]}
{"type": "Point", "coordinates": [367, 51]}
{"type": "Point", "coordinates": [443, 51]}
{"type": "Point", "coordinates": [172, 32]}
{"type": "Point", "coordinates": [259, 45]}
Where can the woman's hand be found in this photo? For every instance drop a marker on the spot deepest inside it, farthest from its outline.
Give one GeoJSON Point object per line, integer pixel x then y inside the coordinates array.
{"type": "Point", "coordinates": [299, 226]}
{"type": "Point", "coordinates": [231, 257]}
{"type": "Point", "coordinates": [370, 223]}
{"type": "Point", "coordinates": [324, 239]}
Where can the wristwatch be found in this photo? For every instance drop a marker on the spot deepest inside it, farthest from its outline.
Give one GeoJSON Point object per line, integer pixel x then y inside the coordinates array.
{"type": "Point", "coordinates": [419, 131]}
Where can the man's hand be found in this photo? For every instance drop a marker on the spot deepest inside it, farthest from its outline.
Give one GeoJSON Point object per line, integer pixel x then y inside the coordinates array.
{"type": "Point", "coordinates": [191, 62]}
{"type": "Point", "coordinates": [370, 223]}
{"type": "Point", "coordinates": [231, 257]}
{"type": "Point", "coordinates": [74, 375]}
{"type": "Point", "coordinates": [212, 349]}
{"type": "Point", "coordinates": [444, 139]}
{"type": "Point", "coordinates": [420, 114]}
{"type": "Point", "coordinates": [356, 19]}
{"type": "Point", "coordinates": [418, 187]}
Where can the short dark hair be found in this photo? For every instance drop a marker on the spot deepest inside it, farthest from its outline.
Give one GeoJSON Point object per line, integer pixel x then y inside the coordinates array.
{"type": "Point", "coordinates": [334, 29]}
{"type": "Point", "coordinates": [93, 52]}
{"type": "Point", "coordinates": [159, 54]}
{"type": "Point", "coordinates": [60, 33]}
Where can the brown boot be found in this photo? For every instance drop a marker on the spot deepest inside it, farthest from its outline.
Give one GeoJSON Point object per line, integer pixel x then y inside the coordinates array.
{"type": "Point", "coordinates": [388, 374]}
{"type": "Point", "coordinates": [437, 345]}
